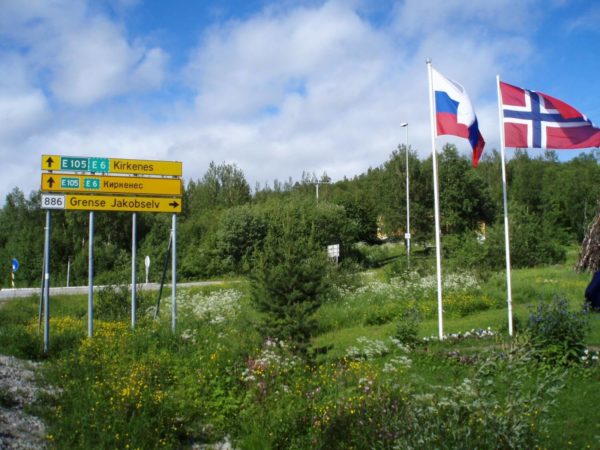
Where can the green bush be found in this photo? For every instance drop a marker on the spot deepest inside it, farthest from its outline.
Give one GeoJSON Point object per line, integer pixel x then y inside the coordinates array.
{"type": "Point", "coordinates": [558, 334]}
{"type": "Point", "coordinates": [407, 330]}
{"type": "Point", "coordinates": [289, 281]}
{"type": "Point", "coordinates": [113, 302]}
{"type": "Point", "coordinates": [530, 243]}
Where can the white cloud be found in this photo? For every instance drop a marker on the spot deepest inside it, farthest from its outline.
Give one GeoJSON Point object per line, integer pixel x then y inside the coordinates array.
{"type": "Point", "coordinates": [95, 62]}
{"type": "Point", "coordinates": [23, 107]}
{"type": "Point", "coordinates": [86, 56]}
{"type": "Point", "coordinates": [419, 17]}
{"type": "Point", "coordinates": [323, 89]}
{"type": "Point", "coordinates": [316, 88]}
{"type": "Point", "coordinates": [242, 68]}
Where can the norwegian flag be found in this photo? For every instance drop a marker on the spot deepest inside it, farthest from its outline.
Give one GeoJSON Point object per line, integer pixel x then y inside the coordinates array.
{"type": "Point", "coordinates": [536, 120]}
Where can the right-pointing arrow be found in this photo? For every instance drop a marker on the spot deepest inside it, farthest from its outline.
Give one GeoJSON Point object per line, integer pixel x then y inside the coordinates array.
{"type": "Point", "coordinates": [174, 204]}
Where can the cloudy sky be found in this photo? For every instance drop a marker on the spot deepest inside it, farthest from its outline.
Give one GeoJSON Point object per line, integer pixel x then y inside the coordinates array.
{"type": "Point", "coordinates": [276, 87]}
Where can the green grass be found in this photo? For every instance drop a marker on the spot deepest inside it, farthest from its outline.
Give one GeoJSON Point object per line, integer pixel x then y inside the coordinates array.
{"type": "Point", "coordinates": [574, 420]}
{"type": "Point", "coordinates": [201, 374]}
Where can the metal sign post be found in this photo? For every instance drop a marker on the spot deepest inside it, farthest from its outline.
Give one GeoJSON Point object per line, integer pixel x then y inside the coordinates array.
{"type": "Point", "coordinates": [41, 308]}
{"type": "Point", "coordinates": [90, 276]}
{"type": "Point", "coordinates": [133, 267]}
{"type": "Point", "coordinates": [15, 267]}
{"type": "Point", "coordinates": [174, 274]}
{"type": "Point", "coordinates": [47, 282]}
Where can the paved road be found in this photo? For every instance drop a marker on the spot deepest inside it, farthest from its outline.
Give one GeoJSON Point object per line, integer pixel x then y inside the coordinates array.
{"type": "Point", "coordinates": [8, 294]}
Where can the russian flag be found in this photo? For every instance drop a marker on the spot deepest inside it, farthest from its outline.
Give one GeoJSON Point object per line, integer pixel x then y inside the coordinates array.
{"type": "Point", "coordinates": [455, 114]}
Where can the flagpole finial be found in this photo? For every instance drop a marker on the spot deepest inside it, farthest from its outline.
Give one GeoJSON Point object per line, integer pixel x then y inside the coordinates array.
{"type": "Point", "coordinates": [428, 60]}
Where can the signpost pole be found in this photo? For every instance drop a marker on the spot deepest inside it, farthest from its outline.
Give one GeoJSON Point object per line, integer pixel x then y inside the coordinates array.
{"type": "Point", "coordinates": [68, 270]}
{"type": "Point", "coordinates": [174, 273]}
{"type": "Point", "coordinates": [133, 267]}
{"type": "Point", "coordinates": [41, 309]}
{"type": "Point", "coordinates": [91, 276]}
{"type": "Point", "coordinates": [47, 282]}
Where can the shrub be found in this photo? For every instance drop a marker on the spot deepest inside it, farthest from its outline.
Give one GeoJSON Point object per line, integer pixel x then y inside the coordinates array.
{"type": "Point", "coordinates": [407, 330]}
{"type": "Point", "coordinates": [289, 282]}
{"type": "Point", "coordinates": [557, 334]}
{"type": "Point", "coordinates": [113, 302]}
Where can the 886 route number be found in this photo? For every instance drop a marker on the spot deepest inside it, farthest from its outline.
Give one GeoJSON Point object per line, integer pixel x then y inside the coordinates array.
{"type": "Point", "coordinates": [53, 201]}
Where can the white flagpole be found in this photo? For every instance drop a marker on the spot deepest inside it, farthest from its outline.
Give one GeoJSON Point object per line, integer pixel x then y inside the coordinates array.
{"type": "Point", "coordinates": [506, 237]}
{"type": "Point", "coordinates": [436, 203]}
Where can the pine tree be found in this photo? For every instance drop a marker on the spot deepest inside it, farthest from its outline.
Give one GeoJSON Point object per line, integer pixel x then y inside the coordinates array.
{"type": "Point", "coordinates": [289, 282]}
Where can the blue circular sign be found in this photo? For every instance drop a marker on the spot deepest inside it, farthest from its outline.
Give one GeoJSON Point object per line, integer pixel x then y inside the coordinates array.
{"type": "Point", "coordinates": [15, 265]}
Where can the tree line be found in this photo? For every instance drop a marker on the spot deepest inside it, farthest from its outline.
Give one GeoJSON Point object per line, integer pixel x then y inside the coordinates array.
{"type": "Point", "coordinates": [225, 223]}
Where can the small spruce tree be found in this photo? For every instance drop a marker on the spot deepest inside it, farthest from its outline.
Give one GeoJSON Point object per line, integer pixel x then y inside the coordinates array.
{"type": "Point", "coordinates": [289, 281]}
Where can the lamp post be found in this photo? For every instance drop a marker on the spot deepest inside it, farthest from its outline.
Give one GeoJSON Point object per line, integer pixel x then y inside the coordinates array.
{"type": "Point", "coordinates": [317, 183]}
{"type": "Point", "coordinates": [407, 234]}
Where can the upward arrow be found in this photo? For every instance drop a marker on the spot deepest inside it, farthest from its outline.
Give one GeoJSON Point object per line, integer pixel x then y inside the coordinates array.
{"type": "Point", "coordinates": [50, 161]}
{"type": "Point", "coordinates": [50, 182]}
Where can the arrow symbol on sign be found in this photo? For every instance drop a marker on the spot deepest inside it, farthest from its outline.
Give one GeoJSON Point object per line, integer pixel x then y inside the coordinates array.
{"type": "Point", "coordinates": [174, 204]}
{"type": "Point", "coordinates": [50, 161]}
{"type": "Point", "coordinates": [51, 182]}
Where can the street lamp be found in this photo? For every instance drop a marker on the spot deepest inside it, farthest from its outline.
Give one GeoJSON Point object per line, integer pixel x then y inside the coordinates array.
{"type": "Point", "coordinates": [317, 183]}
{"type": "Point", "coordinates": [407, 234]}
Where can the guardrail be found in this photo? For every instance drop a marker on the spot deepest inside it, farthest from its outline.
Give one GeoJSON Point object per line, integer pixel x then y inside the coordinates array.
{"type": "Point", "coordinates": [9, 294]}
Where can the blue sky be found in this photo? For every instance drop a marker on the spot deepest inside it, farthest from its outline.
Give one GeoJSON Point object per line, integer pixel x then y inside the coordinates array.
{"type": "Point", "coordinates": [276, 87]}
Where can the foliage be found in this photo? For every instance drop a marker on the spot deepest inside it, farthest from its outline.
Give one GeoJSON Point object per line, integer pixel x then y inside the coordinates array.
{"type": "Point", "coordinates": [223, 222]}
{"type": "Point", "coordinates": [407, 329]}
{"type": "Point", "coordinates": [557, 333]}
{"type": "Point", "coordinates": [464, 197]}
{"type": "Point", "coordinates": [147, 387]}
{"type": "Point", "coordinates": [503, 405]}
{"type": "Point", "coordinates": [240, 233]}
{"type": "Point", "coordinates": [354, 403]}
{"type": "Point", "coordinates": [378, 302]}
{"type": "Point", "coordinates": [216, 380]}
{"type": "Point", "coordinates": [223, 186]}
{"type": "Point", "coordinates": [113, 302]}
{"type": "Point", "coordinates": [289, 281]}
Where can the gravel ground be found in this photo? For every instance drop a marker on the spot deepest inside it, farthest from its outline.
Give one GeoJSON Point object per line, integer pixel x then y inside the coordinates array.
{"type": "Point", "coordinates": [18, 430]}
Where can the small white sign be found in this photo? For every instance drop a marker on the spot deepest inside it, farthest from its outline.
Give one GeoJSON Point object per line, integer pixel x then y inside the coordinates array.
{"type": "Point", "coordinates": [147, 264]}
{"type": "Point", "coordinates": [52, 201]}
{"type": "Point", "coordinates": [406, 235]}
{"type": "Point", "coordinates": [333, 250]}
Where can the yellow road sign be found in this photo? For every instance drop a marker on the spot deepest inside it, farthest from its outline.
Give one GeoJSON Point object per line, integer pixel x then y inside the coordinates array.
{"type": "Point", "coordinates": [91, 184]}
{"type": "Point", "coordinates": [111, 165]}
{"type": "Point", "coordinates": [111, 203]}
